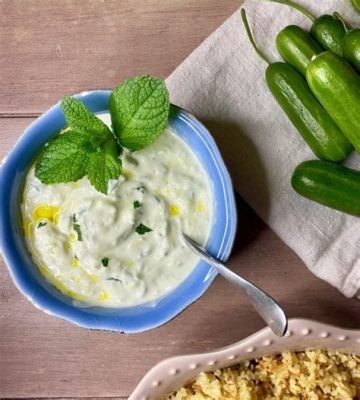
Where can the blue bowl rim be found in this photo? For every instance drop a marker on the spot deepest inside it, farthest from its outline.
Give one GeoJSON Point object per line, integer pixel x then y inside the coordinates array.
{"type": "Point", "coordinates": [74, 314]}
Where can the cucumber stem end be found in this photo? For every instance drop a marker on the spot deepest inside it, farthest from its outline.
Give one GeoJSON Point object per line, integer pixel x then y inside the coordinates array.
{"type": "Point", "coordinates": [341, 19]}
{"type": "Point", "coordinates": [296, 6]}
{"type": "Point", "coordinates": [259, 52]}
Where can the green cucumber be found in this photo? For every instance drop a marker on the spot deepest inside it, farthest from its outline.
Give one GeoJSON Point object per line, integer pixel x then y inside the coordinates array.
{"type": "Point", "coordinates": [337, 87]}
{"type": "Point", "coordinates": [297, 47]}
{"type": "Point", "coordinates": [290, 90]}
{"type": "Point", "coordinates": [329, 32]}
{"type": "Point", "coordinates": [329, 184]}
{"type": "Point", "coordinates": [302, 108]}
{"type": "Point", "coordinates": [351, 43]}
{"type": "Point", "coordinates": [356, 4]}
{"type": "Point", "coordinates": [351, 46]}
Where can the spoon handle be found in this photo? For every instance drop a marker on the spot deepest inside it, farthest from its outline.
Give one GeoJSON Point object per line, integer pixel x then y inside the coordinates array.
{"type": "Point", "coordinates": [265, 305]}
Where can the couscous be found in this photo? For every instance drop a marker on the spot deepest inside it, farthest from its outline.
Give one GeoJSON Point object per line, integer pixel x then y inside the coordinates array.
{"type": "Point", "coordinates": [308, 375]}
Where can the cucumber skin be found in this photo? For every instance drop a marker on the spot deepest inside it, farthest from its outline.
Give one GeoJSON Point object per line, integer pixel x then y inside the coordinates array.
{"type": "Point", "coordinates": [356, 4]}
{"type": "Point", "coordinates": [311, 120]}
{"type": "Point", "coordinates": [329, 184]}
{"type": "Point", "coordinates": [351, 46]}
{"type": "Point", "coordinates": [329, 32]}
{"type": "Point", "coordinates": [297, 47]}
{"type": "Point", "coordinates": [337, 87]}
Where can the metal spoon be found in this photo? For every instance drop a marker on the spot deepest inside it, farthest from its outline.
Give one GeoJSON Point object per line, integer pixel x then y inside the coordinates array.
{"type": "Point", "coordinates": [264, 304]}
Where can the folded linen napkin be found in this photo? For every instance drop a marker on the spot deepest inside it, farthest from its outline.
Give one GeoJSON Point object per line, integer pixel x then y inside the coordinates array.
{"type": "Point", "coordinates": [222, 82]}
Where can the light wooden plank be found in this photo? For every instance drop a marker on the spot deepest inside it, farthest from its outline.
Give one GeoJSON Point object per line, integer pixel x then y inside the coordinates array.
{"type": "Point", "coordinates": [42, 356]}
{"type": "Point", "coordinates": [51, 48]}
{"type": "Point", "coordinates": [10, 131]}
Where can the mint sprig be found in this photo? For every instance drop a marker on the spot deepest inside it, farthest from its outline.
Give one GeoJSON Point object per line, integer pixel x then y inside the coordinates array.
{"type": "Point", "coordinates": [86, 147]}
{"type": "Point", "coordinates": [139, 110]}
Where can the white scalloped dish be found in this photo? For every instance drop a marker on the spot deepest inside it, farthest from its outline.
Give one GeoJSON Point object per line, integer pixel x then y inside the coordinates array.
{"type": "Point", "coordinates": [302, 334]}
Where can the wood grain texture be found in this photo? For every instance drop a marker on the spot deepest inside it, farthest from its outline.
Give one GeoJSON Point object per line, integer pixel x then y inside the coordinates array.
{"type": "Point", "coordinates": [45, 357]}
{"type": "Point", "coordinates": [10, 131]}
{"type": "Point", "coordinates": [50, 48]}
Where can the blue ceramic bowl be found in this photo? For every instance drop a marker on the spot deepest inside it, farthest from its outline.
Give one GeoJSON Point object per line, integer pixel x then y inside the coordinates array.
{"type": "Point", "coordinates": [139, 318]}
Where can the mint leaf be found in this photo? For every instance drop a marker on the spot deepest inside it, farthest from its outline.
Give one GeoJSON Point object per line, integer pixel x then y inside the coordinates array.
{"type": "Point", "coordinates": [105, 261]}
{"type": "Point", "coordinates": [104, 165]}
{"type": "Point", "coordinates": [86, 147]}
{"type": "Point", "coordinates": [139, 110]}
{"type": "Point", "coordinates": [77, 228]}
{"type": "Point", "coordinates": [114, 279]}
{"type": "Point", "coordinates": [141, 229]}
{"type": "Point", "coordinates": [64, 159]}
{"type": "Point", "coordinates": [137, 204]}
{"type": "Point", "coordinates": [79, 118]}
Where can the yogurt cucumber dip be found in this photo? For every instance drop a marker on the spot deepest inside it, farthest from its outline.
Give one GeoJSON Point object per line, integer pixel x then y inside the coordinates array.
{"type": "Point", "coordinates": [123, 247]}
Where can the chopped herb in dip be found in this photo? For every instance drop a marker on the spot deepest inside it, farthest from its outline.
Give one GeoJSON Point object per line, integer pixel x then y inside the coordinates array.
{"type": "Point", "coordinates": [41, 224]}
{"type": "Point", "coordinates": [137, 204]}
{"type": "Point", "coordinates": [76, 228]}
{"type": "Point", "coordinates": [141, 229]}
{"type": "Point", "coordinates": [114, 279]}
{"type": "Point", "coordinates": [105, 261]}
{"type": "Point", "coordinates": [141, 189]}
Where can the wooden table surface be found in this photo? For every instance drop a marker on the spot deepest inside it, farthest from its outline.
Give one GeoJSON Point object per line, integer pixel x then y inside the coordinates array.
{"type": "Point", "coordinates": [51, 48]}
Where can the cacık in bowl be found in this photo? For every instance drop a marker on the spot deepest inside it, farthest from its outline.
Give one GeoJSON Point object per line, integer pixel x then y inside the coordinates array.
{"type": "Point", "coordinates": [115, 260]}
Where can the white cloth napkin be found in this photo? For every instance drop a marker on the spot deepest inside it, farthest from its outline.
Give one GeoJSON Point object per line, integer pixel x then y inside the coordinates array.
{"type": "Point", "coordinates": [222, 82]}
